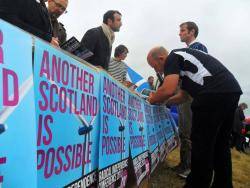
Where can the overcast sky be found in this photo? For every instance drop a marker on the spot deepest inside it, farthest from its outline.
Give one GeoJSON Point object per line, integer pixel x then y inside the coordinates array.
{"type": "Point", "coordinates": [223, 24]}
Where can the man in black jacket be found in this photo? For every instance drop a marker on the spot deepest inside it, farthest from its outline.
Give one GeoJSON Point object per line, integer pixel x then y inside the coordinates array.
{"type": "Point", "coordinates": [30, 15]}
{"type": "Point", "coordinates": [99, 40]}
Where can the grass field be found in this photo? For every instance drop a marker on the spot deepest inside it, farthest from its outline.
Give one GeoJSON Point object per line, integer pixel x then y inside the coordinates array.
{"type": "Point", "coordinates": [164, 177]}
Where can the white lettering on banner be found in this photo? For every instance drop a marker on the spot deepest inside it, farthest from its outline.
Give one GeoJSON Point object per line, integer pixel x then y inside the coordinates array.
{"type": "Point", "coordinates": [202, 72]}
{"type": "Point", "coordinates": [84, 182]}
{"type": "Point", "coordinates": [111, 174]}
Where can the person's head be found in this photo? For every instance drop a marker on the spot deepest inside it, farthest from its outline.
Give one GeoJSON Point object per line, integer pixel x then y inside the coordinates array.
{"type": "Point", "coordinates": [121, 52]}
{"type": "Point", "coordinates": [113, 19]}
{"type": "Point", "coordinates": [156, 58]}
{"type": "Point", "coordinates": [57, 7]}
{"type": "Point", "coordinates": [188, 32]}
{"type": "Point", "coordinates": [151, 80]}
{"type": "Point", "coordinates": [243, 106]}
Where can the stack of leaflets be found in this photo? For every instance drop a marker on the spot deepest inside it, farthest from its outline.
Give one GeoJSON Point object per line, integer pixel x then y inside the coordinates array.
{"type": "Point", "coordinates": [75, 47]}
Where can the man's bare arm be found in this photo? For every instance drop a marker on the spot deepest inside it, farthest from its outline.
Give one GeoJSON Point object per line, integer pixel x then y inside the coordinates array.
{"type": "Point", "coordinates": [180, 97]}
{"type": "Point", "coordinates": [167, 89]}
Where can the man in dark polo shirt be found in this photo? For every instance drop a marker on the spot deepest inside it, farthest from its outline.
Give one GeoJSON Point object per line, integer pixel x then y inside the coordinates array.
{"type": "Point", "coordinates": [215, 94]}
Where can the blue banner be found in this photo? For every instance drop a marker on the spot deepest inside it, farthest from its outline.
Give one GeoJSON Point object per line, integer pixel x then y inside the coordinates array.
{"type": "Point", "coordinates": [64, 123]}
{"type": "Point", "coordinates": [152, 137]}
{"type": "Point", "coordinates": [17, 110]}
{"type": "Point", "coordinates": [138, 137]}
{"type": "Point", "coordinates": [171, 132]}
{"type": "Point", "coordinates": [67, 113]}
{"type": "Point", "coordinates": [159, 132]}
{"type": "Point", "coordinates": [114, 138]}
{"type": "Point", "coordinates": [167, 130]}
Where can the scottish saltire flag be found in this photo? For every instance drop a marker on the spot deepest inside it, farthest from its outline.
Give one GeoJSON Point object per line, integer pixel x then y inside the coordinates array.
{"type": "Point", "coordinates": [137, 79]}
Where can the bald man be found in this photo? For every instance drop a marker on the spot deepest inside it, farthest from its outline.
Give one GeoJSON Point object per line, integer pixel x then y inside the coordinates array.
{"type": "Point", "coordinates": [215, 94]}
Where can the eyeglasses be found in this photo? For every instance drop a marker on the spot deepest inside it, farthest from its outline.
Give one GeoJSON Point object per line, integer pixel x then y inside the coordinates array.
{"type": "Point", "coordinates": [60, 7]}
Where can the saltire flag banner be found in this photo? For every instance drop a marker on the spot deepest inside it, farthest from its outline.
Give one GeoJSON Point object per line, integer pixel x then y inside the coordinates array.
{"type": "Point", "coordinates": [67, 119]}
{"type": "Point", "coordinates": [137, 79]}
{"type": "Point", "coordinates": [17, 109]}
{"type": "Point", "coordinates": [167, 130]}
{"type": "Point", "coordinates": [159, 132]}
{"type": "Point", "coordinates": [152, 137]}
{"type": "Point", "coordinates": [172, 136]}
{"type": "Point", "coordinates": [114, 138]}
{"type": "Point", "coordinates": [65, 123]}
{"type": "Point", "coordinates": [138, 137]}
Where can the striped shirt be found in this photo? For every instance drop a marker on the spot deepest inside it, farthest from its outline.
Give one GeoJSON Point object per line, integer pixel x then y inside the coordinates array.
{"type": "Point", "coordinates": [118, 69]}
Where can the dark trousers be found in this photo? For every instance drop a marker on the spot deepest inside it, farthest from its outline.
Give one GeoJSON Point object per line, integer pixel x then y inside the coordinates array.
{"type": "Point", "coordinates": [237, 141]}
{"type": "Point", "coordinates": [212, 119]}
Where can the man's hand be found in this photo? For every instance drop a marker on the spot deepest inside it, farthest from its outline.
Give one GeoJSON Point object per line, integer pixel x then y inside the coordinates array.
{"type": "Point", "coordinates": [100, 67]}
{"type": "Point", "coordinates": [151, 98]}
{"type": "Point", "coordinates": [167, 89]}
{"type": "Point", "coordinates": [54, 42]}
{"type": "Point", "coordinates": [180, 97]}
{"type": "Point", "coordinates": [127, 83]}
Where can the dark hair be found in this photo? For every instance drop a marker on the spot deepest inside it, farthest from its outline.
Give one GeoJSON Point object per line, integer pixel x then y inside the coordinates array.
{"type": "Point", "coordinates": [110, 15]}
{"type": "Point", "coordinates": [191, 26]}
{"type": "Point", "coordinates": [150, 77]}
{"type": "Point", "coordinates": [120, 50]}
{"type": "Point", "coordinates": [243, 105]}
